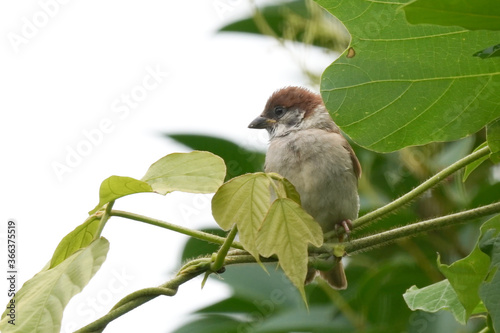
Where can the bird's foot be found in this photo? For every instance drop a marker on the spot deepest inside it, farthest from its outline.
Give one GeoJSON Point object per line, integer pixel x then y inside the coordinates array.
{"type": "Point", "coordinates": [347, 226]}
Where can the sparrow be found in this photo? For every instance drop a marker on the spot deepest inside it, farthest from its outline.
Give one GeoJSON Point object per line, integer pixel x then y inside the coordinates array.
{"type": "Point", "coordinates": [307, 148]}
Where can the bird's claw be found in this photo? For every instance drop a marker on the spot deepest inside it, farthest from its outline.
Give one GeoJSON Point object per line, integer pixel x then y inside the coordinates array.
{"type": "Point", "coordinates": [347, 226]}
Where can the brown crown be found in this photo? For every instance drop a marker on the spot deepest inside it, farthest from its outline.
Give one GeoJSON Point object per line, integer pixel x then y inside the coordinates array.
{"type": "Point", "coordinates": [291, 97]}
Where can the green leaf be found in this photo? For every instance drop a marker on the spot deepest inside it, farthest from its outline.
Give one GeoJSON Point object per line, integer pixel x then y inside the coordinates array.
{"type": "Point", "coordinates": [471, 167]}
{"type": "Point", "coordinates": [316, 319]}
{"type": "Point", "coordinates": [493, 138]}
{"type": "Point", "coordinates": [467, 274]}
{"type": "Point", "coordinates": [465, 280]}
{"type": "Point", "coordinates": [116, 187]}
{"type": "Point", "coordinates": [42, 299]}
{"type": "Point", "coordinates": [233, 304]}
{"type": "Point", "coordinates": [77, 239]}
{"type": "Point", "coordinates": [437, 296]}
{"type": "Point", "coordinates": [212, 324]}
{"type": "Point", "coordinates": [480, 308]}
{"type": "Point", "coordinates": [472, 15]}
{"type": "Point", "coordinates": [465, 277]}
{"type": "Point", "coordinates": [408, 85]}
{"type": "Point", "coordinates": [489, 52]}
{"type": "Point", "coordinates": [243, 200]}
{"type": "Point", "coordinates": [490, 288]}
{"type": "Point", "coordinates": [286, 232]}
{"type": "Point", "coordinates": [195, 172]}
{"type": "Point", "coordinates": [378, 287]}
{"type": "Point", "coordinates": [290, 190]}
{"type": "Point", "coordinates": [252, 284]}
{"type": "Point", "coordinates": [238, 160]}
{"type": "Point", "coordinates": [296, 21]}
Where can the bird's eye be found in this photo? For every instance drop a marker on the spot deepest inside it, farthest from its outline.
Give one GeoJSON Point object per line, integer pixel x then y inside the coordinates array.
{"type": "Point", "coordinates": [279, 111]}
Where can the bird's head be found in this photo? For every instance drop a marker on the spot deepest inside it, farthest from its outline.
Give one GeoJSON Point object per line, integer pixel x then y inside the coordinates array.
{"type": "Point", "coordinates": [293, 109]}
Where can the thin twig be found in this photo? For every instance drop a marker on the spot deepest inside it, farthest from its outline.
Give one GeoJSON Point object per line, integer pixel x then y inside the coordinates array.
{"type": "Point", "coordinates": [417, 228]}
{"type": "Point", "coordinates": [443, 174]}
{"type": "Point", "coordinates": [174, 227]}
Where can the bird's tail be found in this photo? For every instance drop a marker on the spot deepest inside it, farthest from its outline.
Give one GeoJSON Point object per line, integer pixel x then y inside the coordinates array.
{"type": "Point", "coordinates": [336, 276]}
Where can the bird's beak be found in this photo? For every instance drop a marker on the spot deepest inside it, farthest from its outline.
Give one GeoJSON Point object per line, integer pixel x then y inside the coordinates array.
{"type": "Point", "coordinates": [261, 122]}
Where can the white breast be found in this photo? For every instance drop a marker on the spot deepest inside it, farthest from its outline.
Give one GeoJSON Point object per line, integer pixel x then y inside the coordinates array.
{"type": "Point", "coordinates": [316, 162]}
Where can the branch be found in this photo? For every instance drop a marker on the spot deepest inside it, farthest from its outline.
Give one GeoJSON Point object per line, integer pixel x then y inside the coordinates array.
{"type": "Point", "coordinates": [386, 237]}
{"type": "Point", "coordinates": [136, 299]}
{"type": "Point", "coordinates": [199, 266]}
{"type": "Point", "coordinates": [434, 180]}
{"type": "Point", "coordinates": [170, 226]}
{"type": "Point", "coordinates": [140, 297]}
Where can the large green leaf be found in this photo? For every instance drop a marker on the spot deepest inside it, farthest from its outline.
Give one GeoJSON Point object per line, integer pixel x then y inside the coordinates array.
{"type": "Point", "coordinates": [41, 301]}
{"type": "Point", "coordinates": [116, 187]}
{"type": "Point", "coordinates": [472, 15]}
{"type": "Point", "coordinates": [243, 200]}
{"type": "Point", "coordinates": [239, 160]}
{"type": "Point", "coordinates": [286, 231]}
{"type": "Point", "coordinates": [408, 84]}
{"type": "Point", "coordinates": [77, 239]}
{"type": "Point", "coordinates": [195, 172]}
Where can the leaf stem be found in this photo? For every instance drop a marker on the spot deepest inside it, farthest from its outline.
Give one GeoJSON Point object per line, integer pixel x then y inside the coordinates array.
{"type": "Point", "coordinates": [104, 218]}
{"type": "Point", "coordinates": [218, 263]}
{"type": "Point", "coordinates": [276, 177]}
{"type": "Point", "coordinates": [419, 227]}
{"type": "Point", "coordinates": [376, 214]}
{"type": "Point", "coordinates": [170, 226]}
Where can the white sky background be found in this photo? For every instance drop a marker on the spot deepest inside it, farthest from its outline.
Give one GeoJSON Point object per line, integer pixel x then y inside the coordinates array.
{"type": "Point", "coordinates": [71, 76]}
